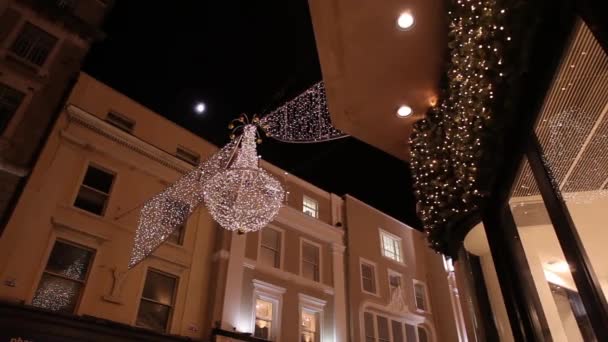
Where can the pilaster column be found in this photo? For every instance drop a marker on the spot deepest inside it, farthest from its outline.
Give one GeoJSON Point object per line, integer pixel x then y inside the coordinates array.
{"type": "Point", "coordinates": [340, 322]}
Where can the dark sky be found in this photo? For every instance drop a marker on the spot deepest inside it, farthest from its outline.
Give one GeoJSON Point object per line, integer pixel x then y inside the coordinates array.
{"type": "Point", "coordinates": [240, 57]}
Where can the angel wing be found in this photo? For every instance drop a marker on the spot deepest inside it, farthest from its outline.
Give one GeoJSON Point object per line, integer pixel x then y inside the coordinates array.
{"type": "Point", "coordinates": [166, 211]}
{"type": "Point", "coordinates": [304, 119]}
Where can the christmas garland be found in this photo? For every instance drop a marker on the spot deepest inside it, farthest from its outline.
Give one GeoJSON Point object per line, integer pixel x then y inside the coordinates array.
{"type": "Point", "coordinates": [447, 145]}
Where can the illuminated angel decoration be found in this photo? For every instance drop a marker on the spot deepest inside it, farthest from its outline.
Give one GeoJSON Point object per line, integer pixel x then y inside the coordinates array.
{"type": "Point", "coordinates": [239, 194]}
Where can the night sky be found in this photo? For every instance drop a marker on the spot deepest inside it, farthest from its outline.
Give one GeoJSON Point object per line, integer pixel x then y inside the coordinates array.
{"type": "Point", "coordinates": [240, 57]}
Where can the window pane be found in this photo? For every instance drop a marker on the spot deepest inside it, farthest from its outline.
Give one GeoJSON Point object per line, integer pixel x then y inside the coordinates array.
{"type": "Point", "coordinates": [33, 44]}
{"type": "Point", "coordinates": [397, 331]}
{"type": "Point", "coordinates": [368, 319]}
{"type": "Point", "coordinates": [177, 236]}
{"type": "Point", "coordinates": [309, 321]}
{"type": "Point", "coordinates": [269, 257]}
{"type": "Point", "coordinates": [383, 334]}
{"type": "Point", "coordinates": [422, 335]}
{"type": "Point", "coordinates": [57, 294]}
{"type": "Point", "coordinates": [420, 297]}
{"type": "Point", "coordinates": [10, 99]}
{"type": "Point", "coordinates": [271, 238]}
{"type": "Point", "coordinates": [262, 329]}
{"type": "Point", "coordinates": [310, 271]}
{"type": "Point", "coordinates": [153, 316]}
{"type": "Point", "coordinates": [263, 309]}
{"type": "Point", "coordinates": [410, 333]}
{"type": "Point", "coordinates": [91, 201]}
{"type": "Point", "coordinates": [310, 253]}
{"type": "Point", "coordinates": [69, 261]}
{"type": "Point", "coordinates": [159, 288]}
{"type": "Point", "coordinates": [395, 280]}
{"type": "Point", "coordinates": [98, 179]}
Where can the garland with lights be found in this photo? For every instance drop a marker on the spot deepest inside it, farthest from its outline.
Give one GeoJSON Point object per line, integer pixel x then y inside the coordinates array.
{"type": "Point", "coordinates": [447, 145]}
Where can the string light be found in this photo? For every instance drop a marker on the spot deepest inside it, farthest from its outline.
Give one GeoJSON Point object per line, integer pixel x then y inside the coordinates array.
{"type": "Point", "coordinates": [166, 211]}
{"type": "Point", "coordinates": [244, 198]}
{"type": "Point", "coordinates": [446, 145]}
{"type": "Point", "coordinates": [304, 119]}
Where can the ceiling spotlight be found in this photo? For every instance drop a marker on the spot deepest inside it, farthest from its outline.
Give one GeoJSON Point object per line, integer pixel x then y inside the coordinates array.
{"type": "Point", "coordinates": [199, 108]}
{"type": "Point", "coordinates": [404, 111]}
{"type": "Point", "coordinates": [405, 20]}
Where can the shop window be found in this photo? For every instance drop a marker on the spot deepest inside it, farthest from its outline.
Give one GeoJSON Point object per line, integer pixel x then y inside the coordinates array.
{"type": "Point", "coordinates": [157, 301]}
{"type": "Point", "coordinates": [64, 278]}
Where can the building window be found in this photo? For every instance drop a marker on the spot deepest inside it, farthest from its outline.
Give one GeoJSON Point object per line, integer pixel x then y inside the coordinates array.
{"type": "Point", "coordinates": [422, 334]}
{"type": "Point", "coordinates": [120, 121]}
{"type": "Point", "coordinates": [383, 330]}
{"type": "Point", "coordinates": [397, 328]}
{"type": "Point", "coordinates": [270, 247]}
{"type": "Point", "coordinates": [187, 155]}
{"type": "Point", "coordinates": [33, 44]}
{"type": "Point", "coordinates": [309, 327]}
{"type": "Point", "coordinates": [157, 301]}
{"type": "Point", "coordinates": [394, 282]}
{"type": "Point", "coordinates": [263, 319]}
{"type": "Point", "coordinates": [410, 333]}
{"type": "Point", "coordinates": [310, 261]}
{"type": "Point", "coordinates": [368, 322]}
{"type": "Point", "coordinates": [177, 236]}
{"type": "Point", "coordinates": [368, 277]}
{"type": "Point", "coordinates": [95, 190]}
{"type": "Point", "coordinates": [391, 246]}
{"type": "Point", "coordinates": [64, 278]}
{"type": "Point", "coordinates": [10, 99]}
{"type": "Point", "coordinates": [310, 207]}
{"type": "Point", "coordinates": [420, 296]}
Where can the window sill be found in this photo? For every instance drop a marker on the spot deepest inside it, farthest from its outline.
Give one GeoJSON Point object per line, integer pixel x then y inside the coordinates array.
{"type": "Point", "coordinates": [400, 263]}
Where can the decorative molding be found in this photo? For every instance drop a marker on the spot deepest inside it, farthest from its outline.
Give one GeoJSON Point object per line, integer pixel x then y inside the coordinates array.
{"type": "Point", "coordinates": [268, 288]}
{"type": "Point", "coordinates": [61, 225]}
{"type": "Point", "coordinates": [115, 295]}
{"type": "Point", "coordinates": [337, 248]}
{"type": "Point", "coordinates": [310, 226]}
{"type": "Point", "coordinates": [252, 264]}
{"type": "Point", "coordinates": [99, 126]}
{"type": "Point", "coordinates": [310, 302]}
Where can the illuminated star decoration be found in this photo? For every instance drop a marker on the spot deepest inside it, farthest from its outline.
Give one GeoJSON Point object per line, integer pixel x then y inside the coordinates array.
{"type": "Point", "coordinates": [304, 119]}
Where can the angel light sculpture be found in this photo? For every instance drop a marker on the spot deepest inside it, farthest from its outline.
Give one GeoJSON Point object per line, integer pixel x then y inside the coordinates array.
{"type": "Point", "coordinates": [239, 195]}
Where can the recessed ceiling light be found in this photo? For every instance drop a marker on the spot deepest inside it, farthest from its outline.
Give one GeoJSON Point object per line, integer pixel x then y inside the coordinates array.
{"type": "Point", "coordinates": [200, 108]}
{"type": "Point", "coordinates": [405, 20]}
{"type": "Point", "coordinates": [404, 111]}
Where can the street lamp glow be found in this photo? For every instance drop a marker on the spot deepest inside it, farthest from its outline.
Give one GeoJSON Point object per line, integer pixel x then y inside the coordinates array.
{"type": "Point", "coordinates": [199, 108]}
{"type": "Point", "coordinates": [405, 20]}
{"type": "Point", "coordinates": [404, 111]}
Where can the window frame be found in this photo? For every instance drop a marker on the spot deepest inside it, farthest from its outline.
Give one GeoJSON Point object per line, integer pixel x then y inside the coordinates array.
{"type": "Point", "coordinates": [270, 293]}
{"type": "Point", "coordinates": [181, 237]}
{"type": "Point", "coordinates": [80, 184]}
{"type": "Point", "coordinates": [117, 124]}
{"type": "Point", "coordinates": [17, 33]}
{"type": "Point", "coordinates": [173, 305]}
{"type": "Point", "coordinates": [281, 250]}
{"type": "Point", "coordinates": [375, 310]}
{"type": "Point", "coordinates": [399, 244]}
{"type": "Point", "coordinates": [427, 309]}
{"type": "Point", "coordinates": [315, 306]}
{"type": "Point", "coordinates": [390, 273]}
{"type": "Point", "coordinates": [375, 279]}
{"type": "Point", "coordinates": [319, 266]}
{"type": "Point", "coordinates": [24, 97]}
{"type": "Point", "coordinates": [315, 210]}
{"type": "Point", "coordinates": [83, 282]}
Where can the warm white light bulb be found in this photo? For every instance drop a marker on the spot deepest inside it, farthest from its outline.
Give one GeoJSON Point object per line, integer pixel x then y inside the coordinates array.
{"type": "Point", "coordinates": [199, 108]}
{"type": "Point", "coordinates": [404, 111]}
{"type": "Point", "coordinates": [405, 20]}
